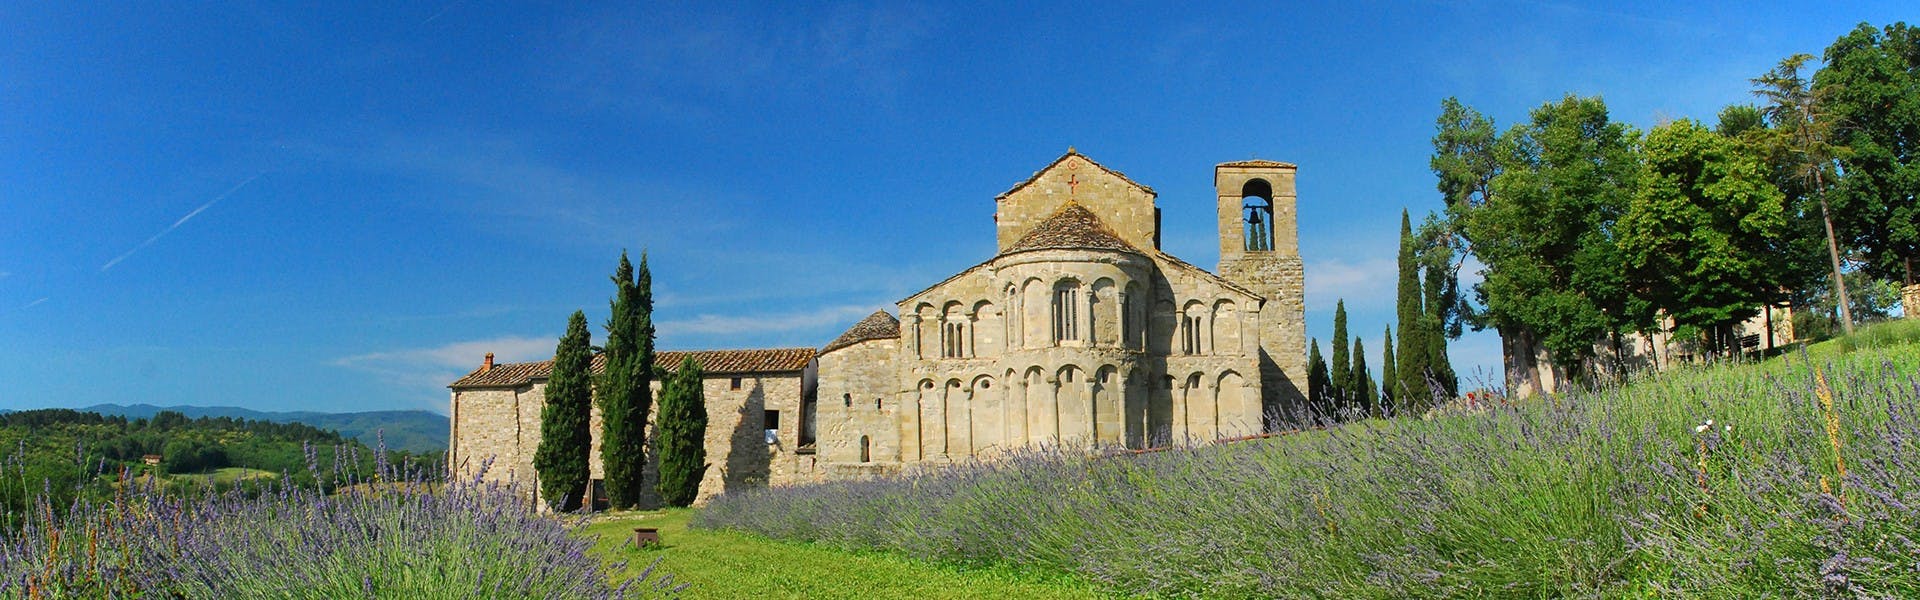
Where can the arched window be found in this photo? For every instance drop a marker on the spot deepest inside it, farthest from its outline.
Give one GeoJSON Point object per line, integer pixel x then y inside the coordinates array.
{"type": "Point", "coordinates": [1066, 311]}
{"type": "Point", "coordinates": [1256, 215]}
{"type": "Point", "coordinates": [848, 399]}
{"type": "Point", "coordinates": [865, 450]}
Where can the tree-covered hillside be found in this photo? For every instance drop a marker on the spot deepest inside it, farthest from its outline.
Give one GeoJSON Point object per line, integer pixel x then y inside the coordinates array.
{"type": "Point", "coordinates": [416, 431]}
{"type": "Point", "coordinates": [68, 453]}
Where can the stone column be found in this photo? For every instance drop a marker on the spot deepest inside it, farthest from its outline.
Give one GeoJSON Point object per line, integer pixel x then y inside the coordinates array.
{"type": "Point", "coordinates": [968, 342]}
{"type": "Point", "coordinates": [1088, 317]}
{"type": "Point", "coordinates": [1094, 389]}
{"type": "Point", "coordinates": [1053, 410]}
{"type": "Point", "coordinates": [940, 428]}
{"type": "Point", "coordinates": [1178, 427]}
{"type": "Point", "coordinates": [912, 322]}
{"type": "Point", "coordinates": [912, 448]}
{"type": "Point", "coordinates": [1910, 301]}
{"type": "Point", "coordinates": [969, 418]}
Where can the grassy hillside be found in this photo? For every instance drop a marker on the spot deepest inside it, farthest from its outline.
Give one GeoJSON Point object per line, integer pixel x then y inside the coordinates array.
{"type": "Point", "coordinates": [726, 564]}
{"type": "Point", "coordinates": [1798, 476]}
{"type": "Point", "coordinates": [416, 431]}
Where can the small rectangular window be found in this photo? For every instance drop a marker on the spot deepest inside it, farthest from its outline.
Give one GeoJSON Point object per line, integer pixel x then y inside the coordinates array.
{"type": "Point", "coordinates": [771, 421]}
{"type": "Point", "coordinates": [734, 384]}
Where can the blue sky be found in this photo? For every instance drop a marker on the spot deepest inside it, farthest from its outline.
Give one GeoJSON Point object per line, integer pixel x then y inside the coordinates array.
{"type": "Point", "coordinates": [343, 207]}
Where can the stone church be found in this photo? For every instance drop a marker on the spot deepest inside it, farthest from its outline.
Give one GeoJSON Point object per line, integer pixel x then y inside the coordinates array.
{"type": "Point", "coordinates": [1080, 332]}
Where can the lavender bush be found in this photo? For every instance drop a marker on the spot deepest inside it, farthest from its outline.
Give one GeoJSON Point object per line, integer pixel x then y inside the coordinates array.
{"type": "Point", "coordinates": [1727, 481]}
{"type": "Point", "coordinates": [399, 536]}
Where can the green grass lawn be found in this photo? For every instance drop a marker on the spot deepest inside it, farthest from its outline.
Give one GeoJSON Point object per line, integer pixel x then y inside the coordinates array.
{"type": "Point", "coordinates": [727, 564]}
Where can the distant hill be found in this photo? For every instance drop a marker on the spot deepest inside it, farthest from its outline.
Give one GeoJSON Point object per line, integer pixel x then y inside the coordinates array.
{"type": "Point", "coordinates": [415, 431]}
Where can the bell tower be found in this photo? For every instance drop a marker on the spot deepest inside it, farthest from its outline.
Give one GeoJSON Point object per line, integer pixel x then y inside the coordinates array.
{"type": "Point", "coordinates": [1260, 250]}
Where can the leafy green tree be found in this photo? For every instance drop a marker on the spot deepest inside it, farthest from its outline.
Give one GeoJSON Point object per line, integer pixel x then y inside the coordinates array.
{"type": "Point", "coordinates": [566, 435]}
{"type": "Point", "coordinates": [1340, 387]}
{"type": "Point", "coordinates": [682, 435]}
{"type": "Point", "coordinates": [1870, 89]}
{"type": "Point", "coordinates": [1802, 265]}
{"type": "Point", "coordinates": [1365, 393]}
{"type": "Point", "coordinates": [1388, 378]}
{"type": "Point", "coordinates": [625, 393]}
{"type": "Point", "coordinates": [1319, 403]}
{"type": "Point", "coordinates": [1409, 383]}
{"type": "Point", "coordinates": [1704, 233]}
{"type": "Point", "coordinates": [1543, 228]}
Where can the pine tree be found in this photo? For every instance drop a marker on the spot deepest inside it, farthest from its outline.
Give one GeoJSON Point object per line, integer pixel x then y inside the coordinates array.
{"type": "Point", "coordinates": [1389, 379]}
{"type": "Point", "coordinates": [1317, 384]}
{"type": "Point", "coordinates": [1365, 394]}
{"type": "Point", "coordinates": [626, 395]}
{"type": "Point", "coordinates": [1410, 392]}
{"type": "Point", "coordinates": [1340, 387]}
{"type": "Point", "coordinates": [566, 437]}
{"type": "Point", "coordinates": [682, 436]}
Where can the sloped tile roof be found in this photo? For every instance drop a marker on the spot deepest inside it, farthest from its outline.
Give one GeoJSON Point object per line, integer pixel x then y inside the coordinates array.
{"type": "Point", "coordinates": [1056, 162]}
{"type": "Point", "coordinates": [877, 326]}
{"type": "Point", "coordinates": [712, 362]}
{"type": "Point", "coordinates": [1071, 226]}
{"type": "Point", "coordinates": [770, 360]}
{"type": "Point", "coordinates": [1258, 162]}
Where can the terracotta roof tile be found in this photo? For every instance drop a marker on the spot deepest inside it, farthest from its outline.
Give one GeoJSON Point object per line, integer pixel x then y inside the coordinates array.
{"type": "Point", "coordinates": [877, 326]}
{"type": "Point", "coordinates": [1071, 226]}
{"type": "Point", "coordinates": [769, 360]}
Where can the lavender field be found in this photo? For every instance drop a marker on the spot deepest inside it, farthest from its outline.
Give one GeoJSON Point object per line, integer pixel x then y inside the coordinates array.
{"type": "Point", "coordinates": [399, 536]}
{"type": "Point", "coordinates": [1795, 477]}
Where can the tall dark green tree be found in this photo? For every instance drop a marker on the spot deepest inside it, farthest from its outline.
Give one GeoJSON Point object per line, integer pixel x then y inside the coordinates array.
{"type": "Point", "coordinates": [1365, 393]}
{"type": "Point", "coordinates": [1440, 288]}
{"type": "Point", "coordinates": [1340, 387]}
{"type": "Point", "coordinates": [626, 396]}
{"type": "Point", "coordinates": [1319, 403]}
{"type": "Point", "coordinates": [566, 436]}
{"type": "Point", "coordinates": [1388, 378]}
{"type": "Point", "coordinates": [682, 435]}
{"type": "Point", "coordinates": [1871, 86]}
{"type": "Point", "coordinates": [1410, 382]}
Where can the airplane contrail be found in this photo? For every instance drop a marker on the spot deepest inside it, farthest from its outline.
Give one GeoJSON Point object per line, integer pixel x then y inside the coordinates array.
{"type": "Point", "coordinates": [176, 224]}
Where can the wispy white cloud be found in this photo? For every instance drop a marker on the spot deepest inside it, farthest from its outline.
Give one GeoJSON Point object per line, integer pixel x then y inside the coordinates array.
{"type": "Point", "coordinates": [710, 324]}
{"type": "Point", "coordinates": [1363, 284]}
{"type": "Point", "coordinates": [176, 224]}
{"type": "Point", "coordinates": [439, 365]}
{"type": "Point", "coordinates": [32, 304]}
{"type": "Point", "coordinates": [660, 62]}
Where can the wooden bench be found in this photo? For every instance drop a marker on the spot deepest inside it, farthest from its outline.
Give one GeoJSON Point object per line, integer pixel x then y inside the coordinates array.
{"type": "Point", "coordinates": [645, 536]}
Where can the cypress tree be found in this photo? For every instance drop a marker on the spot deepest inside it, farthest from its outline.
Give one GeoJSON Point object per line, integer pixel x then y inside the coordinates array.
{"type": "Point", "coordinates": [1340, 387]}
{"type": "Point", "coordinates": [1389, 379]}
{"type": "Point", "coordinates": [626, 395]}
{"type": "Point", "coordinates": [565, 434]}
{"type": "Point", "coordinates": [682, 435]}
{"type": "Point", "coordinates": [1317, 383]}
{"type": "Point", "coordinates": [1411, 390]}
{"type": "Point", "coordinates": [1435, 335]}
{"type": "Point", "coordinates": [1365, 394]}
